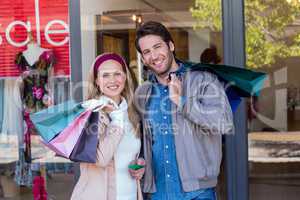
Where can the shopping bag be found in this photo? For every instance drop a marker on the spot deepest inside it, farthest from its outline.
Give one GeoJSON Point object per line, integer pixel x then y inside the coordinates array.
{"type": "Point", "coordinates": [246, 82]}
{"type": "Point", "coordinates": [51, 121]}
{"type": "Point", "coordinates": [239, 82]}
{"type": "Point", "coordinates": [85, 149]}
{"type": "Point", "coordinates": [64, 143]}
{"type": "Point", "coordinates": [233, 98]}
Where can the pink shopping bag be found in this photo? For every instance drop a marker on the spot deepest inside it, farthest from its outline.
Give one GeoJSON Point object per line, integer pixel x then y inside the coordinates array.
{"type": "Point", "coordinates": [64, 143]}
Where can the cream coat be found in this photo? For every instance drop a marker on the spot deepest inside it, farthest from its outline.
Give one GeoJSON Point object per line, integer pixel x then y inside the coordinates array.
{"type": "Point", "coordinates": [97, 181]}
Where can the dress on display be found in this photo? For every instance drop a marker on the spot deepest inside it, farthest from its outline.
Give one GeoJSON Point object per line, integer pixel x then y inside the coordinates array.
{"type": "Point", "coordinates": [35, 89]}
{"type": "Point", "coordinates": [35, 95]}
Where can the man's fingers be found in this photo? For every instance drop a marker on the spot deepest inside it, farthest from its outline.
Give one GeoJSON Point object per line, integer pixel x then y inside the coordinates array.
{"type": "Point", "coordinates": [175, 81]}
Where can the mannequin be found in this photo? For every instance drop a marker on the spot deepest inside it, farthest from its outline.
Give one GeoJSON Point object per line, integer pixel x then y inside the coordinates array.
{"type": "Point", "coordinates": [33, 52]}
{"type": "Point", "coordinates": [35, 64]}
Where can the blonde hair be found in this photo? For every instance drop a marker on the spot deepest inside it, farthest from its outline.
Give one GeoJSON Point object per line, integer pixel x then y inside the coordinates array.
{"type": "Point", "coordinates": [128, 93]}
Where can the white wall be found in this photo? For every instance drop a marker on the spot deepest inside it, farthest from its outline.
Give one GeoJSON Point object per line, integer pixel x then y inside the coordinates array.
{"type": "Point", "coordinates": [198, 41]}
{"type": "Point", "coordinates": [88, 44]}
{"type": "Point", "coordinates": [88, 37]}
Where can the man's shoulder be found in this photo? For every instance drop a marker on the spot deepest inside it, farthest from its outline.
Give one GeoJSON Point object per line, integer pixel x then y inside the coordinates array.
{"type": "Point", "coordinates": [141, 92]}
{"type": "Point", "coordinates": [197, 69]}
{"type": "Point", "coordinates": [201, 75]}
{"type": "Point", "coordinates": [143, 88]}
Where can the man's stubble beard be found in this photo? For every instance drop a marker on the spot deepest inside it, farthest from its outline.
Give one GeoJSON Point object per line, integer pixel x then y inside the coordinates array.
{"type": "Point", "coordinates": [165, 73]}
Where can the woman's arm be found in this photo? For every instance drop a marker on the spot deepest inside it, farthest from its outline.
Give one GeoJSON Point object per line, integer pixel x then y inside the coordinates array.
{"type": "Point", "coordinates": [108, 144]}
{"type": "Point", "coordinates": [110, 136]}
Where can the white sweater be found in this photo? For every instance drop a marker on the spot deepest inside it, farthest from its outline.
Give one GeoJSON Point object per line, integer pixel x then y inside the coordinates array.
{"type": "Point", "coordinates": [126, 152]}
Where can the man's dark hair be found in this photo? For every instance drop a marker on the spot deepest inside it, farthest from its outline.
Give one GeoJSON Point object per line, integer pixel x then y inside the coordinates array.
{"type": "Point", "coordinates": [152, 28]}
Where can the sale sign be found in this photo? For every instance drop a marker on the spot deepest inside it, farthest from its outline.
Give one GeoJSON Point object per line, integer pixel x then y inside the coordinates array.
{"type": "Point", "coordinates": [46, 20]}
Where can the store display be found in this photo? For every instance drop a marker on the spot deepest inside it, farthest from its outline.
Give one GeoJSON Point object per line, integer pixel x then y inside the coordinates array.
{"type": "Point", "coordinates": [35, 64]}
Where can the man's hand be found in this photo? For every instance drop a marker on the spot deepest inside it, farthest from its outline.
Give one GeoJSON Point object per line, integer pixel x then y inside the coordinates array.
{"type": "Point", "coordinates": [138, 174]}
{"type": "Point", "coordinates": [175, 89]}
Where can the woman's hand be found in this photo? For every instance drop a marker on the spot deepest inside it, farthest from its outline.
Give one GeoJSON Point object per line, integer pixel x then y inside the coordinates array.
{"type": "Point", "coordinates": [138, 174]}
{"type": "Point", "coordinates": [109, 107]}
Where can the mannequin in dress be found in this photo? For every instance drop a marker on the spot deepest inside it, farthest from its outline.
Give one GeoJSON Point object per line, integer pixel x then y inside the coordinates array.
{"type": "Point", "coordinates": [35, 65]}
{"type": "Point", "coordinates": [33, 52]}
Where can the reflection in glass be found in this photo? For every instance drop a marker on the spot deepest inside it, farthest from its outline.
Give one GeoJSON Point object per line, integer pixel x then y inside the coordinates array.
{"type": "Point", "coordinates": [272, 46]}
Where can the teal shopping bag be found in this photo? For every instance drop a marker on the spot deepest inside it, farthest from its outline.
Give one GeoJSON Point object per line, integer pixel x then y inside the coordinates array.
{"type": "Point", "coordinates": [248, 82]}
{"type": "Point", "coordinates": [51, 121]}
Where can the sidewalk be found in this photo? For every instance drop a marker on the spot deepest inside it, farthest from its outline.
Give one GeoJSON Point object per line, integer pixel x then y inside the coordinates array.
{"type": "Point", "coordinates": [59, 187]}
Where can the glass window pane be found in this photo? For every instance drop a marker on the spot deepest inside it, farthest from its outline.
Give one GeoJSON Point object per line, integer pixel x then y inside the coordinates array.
{"type": "Point", "coordinates": [272, 46]}
{"type": "Point", "coordinates": [34, 75]}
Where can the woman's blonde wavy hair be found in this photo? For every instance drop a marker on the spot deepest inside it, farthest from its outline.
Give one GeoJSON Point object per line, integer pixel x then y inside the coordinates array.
{"type": "Point", "coordinates": [127, 93]}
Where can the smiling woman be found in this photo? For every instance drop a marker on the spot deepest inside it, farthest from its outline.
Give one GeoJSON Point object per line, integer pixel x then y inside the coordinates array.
{"type": "Point", "coordinates": [119, 144]}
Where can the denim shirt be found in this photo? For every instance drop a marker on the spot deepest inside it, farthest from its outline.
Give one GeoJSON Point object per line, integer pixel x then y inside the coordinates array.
{"type": "Point", "coordinates": [165, 167]}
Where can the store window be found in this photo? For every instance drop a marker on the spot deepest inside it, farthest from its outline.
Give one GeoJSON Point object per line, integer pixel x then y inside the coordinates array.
{"type": "Point", "coordinates": [195, 25]}
{"type": "Point", "coordinates": [272, 46]}
{"type": "Point", "coordinates": [34, 74]}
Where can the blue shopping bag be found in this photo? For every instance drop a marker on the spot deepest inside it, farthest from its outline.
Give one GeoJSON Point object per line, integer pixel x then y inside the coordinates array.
{"type": "Point", "coordinates": [51, 121]}
{"type": "Point", "coordinates": [233, 98]}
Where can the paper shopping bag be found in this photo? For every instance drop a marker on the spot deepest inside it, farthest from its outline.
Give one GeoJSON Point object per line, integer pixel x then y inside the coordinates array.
{"type": "Point", "coordinates": [51, 121]}
{"type": "Point", "coordinates": [64, 143]}
{"type": "Point", "coordinates": [86, 148]}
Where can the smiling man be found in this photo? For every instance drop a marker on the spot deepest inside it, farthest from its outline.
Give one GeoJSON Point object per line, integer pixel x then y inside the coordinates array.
{"type": "Point", "coordinates": [184, 115]}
